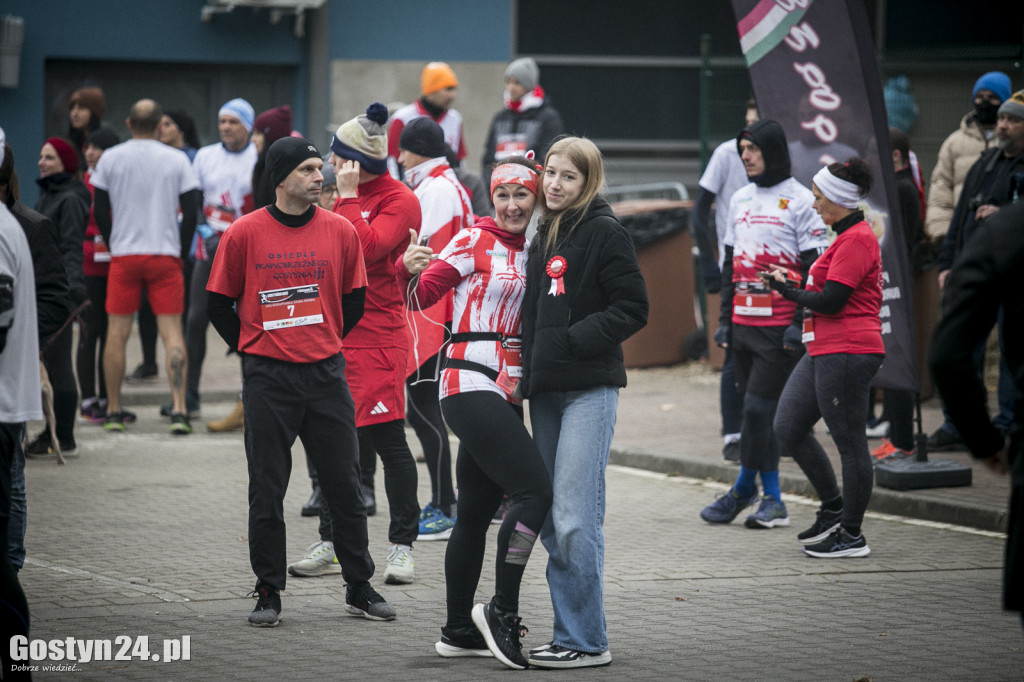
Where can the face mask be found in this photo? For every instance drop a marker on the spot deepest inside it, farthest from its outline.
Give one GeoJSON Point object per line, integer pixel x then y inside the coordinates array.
{"type": "Point", "coordinates": [986, 112]}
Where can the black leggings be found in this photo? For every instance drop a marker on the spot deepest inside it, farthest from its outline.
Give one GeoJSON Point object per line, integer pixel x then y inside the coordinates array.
{"type": "Point", "coordinates": [196, 315]}
{"type": "Point", "coordinates": [496, 456]}
{"type": "Point", "coordinates": [400, 479]}
{"type": "Point", "coordinates": [92, 340]}
{"type": "Point", "coordinates": [762, 367]}
{"type": "Point", "coordinates": [834, 387]}
{"type": "Point", "coordinates": [57, 359]}
{"type": "Point", "coordinates": [423, 412]}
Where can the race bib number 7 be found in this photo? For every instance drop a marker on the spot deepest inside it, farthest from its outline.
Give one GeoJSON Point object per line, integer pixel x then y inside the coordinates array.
{"type": "Point", "coordinates": [291, 307]}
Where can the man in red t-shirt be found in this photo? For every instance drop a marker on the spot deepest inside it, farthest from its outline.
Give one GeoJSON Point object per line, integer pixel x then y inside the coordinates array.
{"type": "Point", "coordinates": [295, 275]}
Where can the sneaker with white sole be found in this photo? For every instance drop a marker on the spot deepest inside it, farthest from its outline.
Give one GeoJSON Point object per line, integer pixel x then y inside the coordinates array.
{"type": "Point", "coordinates": [502, 632]}
{"type": "Point", "coordinates": [556, 656]}
{"type": "Point", "coordinates": [434, 524]}
{"type": "Point", "coordinates": [879, 430]}
{"type": "Point", "coordinates": [320, 559]}
{"type": "Point", "coordinates": [399, 570]}
{"type": "Point", "coordinates": [826, 522]}
{"type": "Point", "coordinates": [839, 544]}
{"type": "Point", "coordinates": [365, 601]}
{"type": "Point", "coordinates": [267, 613]}
{"type": "Point", "coordinates": [769, 514]}
{"type": "Point", "coordinates": [726, 507]}
{"type": "Point", "coordinates": [462, 643]}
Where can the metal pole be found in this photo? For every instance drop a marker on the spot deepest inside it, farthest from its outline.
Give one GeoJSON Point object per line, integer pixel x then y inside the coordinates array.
{"type": "Point", "coordinates": [704, 86]}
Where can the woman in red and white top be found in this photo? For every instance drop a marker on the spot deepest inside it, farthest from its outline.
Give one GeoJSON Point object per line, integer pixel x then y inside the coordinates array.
{"type": "Point", "coordinates": [843, 335]}
{"type": "Point", "coordinates": [486, 266]}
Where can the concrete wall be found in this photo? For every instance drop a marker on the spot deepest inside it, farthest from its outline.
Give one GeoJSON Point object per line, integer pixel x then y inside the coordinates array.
{"type": "Point", "coordinates": [355, 84]}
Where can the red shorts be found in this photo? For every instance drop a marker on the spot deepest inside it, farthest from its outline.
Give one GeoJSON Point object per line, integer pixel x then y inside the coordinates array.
{"type": "Point", "coordinates": [162, 277]}
{"type": "Point", "coordinates": [376, 377]}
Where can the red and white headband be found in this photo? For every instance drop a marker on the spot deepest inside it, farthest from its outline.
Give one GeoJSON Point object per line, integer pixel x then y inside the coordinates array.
{"type": "Point", "coordinates": [515, 174]}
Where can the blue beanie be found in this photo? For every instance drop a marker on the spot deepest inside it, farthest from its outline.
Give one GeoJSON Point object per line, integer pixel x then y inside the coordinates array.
{"type": "Point", "coordinates": [243, 111]}
{"type": "Point", "coordinates": [996, 81]}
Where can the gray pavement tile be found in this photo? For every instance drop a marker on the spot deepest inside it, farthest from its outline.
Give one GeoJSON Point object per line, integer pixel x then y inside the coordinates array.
{"type": "Point", "coordinates": [142, 523]}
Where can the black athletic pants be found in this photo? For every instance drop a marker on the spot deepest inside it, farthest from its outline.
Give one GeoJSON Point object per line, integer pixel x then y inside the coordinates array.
{"type": "Point", "coordinates": [400, 480]}
{"type": "Point", "coordinates": [423, 412]}
{"type": "Point", "coordinates": [282, 401]}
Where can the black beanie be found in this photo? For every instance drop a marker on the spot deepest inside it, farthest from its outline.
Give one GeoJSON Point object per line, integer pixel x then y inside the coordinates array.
{"type": "Point", "coordinates": [424, 137]}
{"type": "Point", "coordinates": [104, 138]}
{"type": "Point", "coordinates": [285, 155]}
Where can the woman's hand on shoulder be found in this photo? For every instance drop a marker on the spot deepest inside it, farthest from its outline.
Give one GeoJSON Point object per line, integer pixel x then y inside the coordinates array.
{"type": "Point", "coordinates": [416, 258]}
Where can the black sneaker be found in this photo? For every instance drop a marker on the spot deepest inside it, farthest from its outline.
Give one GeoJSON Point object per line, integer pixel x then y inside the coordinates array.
{"type": "Point", "coordinates": [501, 631]}
{"type": "Point", "coordinates": [115, 421]}
{"type": "Point", "coordinates": [143, 372]}
{"type": "Point", "coordinates": [731, 452]}
{"type": "Point", "coordinates": [826, 522]}
{"type": "Point", "coordinates": [944, 439]}
{"type": "Point", "coordinates": [192, 406]}
{"type": "Point", "coordinates": [180, 425]}
{"type": "Point", "coordinates": [461, 643]}
{"type": "Point", "coordinates": [41, 445]}
{"type": "Point", "coordinates": [839, 544]}
{"type": "Point", "coordinates": [267, 613]}
{"type": "Point", "coordinates": [366, 602]}
{"type": "Point", "coordinates": [555, 656]}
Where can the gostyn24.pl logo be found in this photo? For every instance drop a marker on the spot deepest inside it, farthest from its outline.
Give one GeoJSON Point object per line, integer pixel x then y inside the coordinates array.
{"type": "Point", "coordinates": [64, 654]}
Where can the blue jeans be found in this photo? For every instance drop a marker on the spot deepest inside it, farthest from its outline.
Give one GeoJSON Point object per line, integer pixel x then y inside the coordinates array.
{"type": "Point", "coordinates": [19, 506]}
{"type": "Point", "coordinates": [573, 431]}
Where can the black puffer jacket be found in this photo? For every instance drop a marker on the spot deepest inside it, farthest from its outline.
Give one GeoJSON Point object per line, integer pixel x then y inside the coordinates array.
{"type": "Point", "coordinates": [572, 341]}
{"type": "Point", "coordinates": [52, 300]}
{"type": "Point", "coordinates": [66, 201]}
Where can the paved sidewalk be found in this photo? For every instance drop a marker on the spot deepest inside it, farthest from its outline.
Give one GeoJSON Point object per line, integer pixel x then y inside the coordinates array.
{"type": "Point", "coordinates": [669, 422]}
{"type": "Point", "coordinates": [140, 541]}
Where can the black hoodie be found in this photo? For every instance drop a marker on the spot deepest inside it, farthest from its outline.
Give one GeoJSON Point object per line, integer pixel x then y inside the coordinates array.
{"type": "Point", "coordinates": [770, 138]}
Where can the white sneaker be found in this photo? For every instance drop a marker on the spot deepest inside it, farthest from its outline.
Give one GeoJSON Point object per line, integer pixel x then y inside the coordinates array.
{"type": "Point", "coordinates": [400, 566]}
{"type": "Point", "coordinates": [320, 559]}
{"type": "Point", "coordinates": [879, 430]}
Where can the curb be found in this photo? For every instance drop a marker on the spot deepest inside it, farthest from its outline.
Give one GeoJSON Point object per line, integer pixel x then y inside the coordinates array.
{"type": "Point", "coordinates": [884, 501]}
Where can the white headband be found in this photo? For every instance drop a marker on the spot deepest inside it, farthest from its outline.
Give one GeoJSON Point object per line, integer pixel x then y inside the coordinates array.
{"type": "Point", "coordinates": [840, 192]}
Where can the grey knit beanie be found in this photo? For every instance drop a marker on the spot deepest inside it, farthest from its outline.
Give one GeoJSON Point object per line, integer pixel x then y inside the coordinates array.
{"type": "Point", "coordinates": [524, 70]}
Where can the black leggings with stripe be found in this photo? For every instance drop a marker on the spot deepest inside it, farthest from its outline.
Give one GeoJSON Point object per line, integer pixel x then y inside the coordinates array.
{"type": "Point", "coordinates": [496, 455]}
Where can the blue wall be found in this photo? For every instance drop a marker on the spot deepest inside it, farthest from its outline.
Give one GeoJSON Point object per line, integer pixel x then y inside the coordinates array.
{"type": "Point", "coordinates": [123, 30]}
{"type": "Point", "coordinates": [453, 30]}
{"type": "Point", "coordinates": [172, 31]}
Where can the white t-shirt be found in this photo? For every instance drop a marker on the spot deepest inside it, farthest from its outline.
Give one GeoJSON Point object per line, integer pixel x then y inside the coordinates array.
{"type": "Point", "coordinates": [770, 226]}
{"type": "Point", "coordinates": [144, 179]}
{"type": "Point", "coordinates": [226, 180]}
{"type": "Point", "coordinates": [724, 175]}
{"type": "Point", "coordinates": [19, 363]}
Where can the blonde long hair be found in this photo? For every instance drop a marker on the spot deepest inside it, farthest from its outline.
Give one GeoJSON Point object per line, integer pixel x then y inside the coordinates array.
{"type": "Point", "coordinates": [586, 157]}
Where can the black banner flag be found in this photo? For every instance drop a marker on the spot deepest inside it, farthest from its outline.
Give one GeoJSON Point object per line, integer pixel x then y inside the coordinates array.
{"type": "Point", "coordinates": [812, 65]}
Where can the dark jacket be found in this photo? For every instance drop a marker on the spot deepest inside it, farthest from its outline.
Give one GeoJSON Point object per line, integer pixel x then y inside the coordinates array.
{"type": "Point", "coordinates": [963, 224]}
{"type": "Point", "coordinates": [985, 277]}
{"type": "Point", "coordinates": [66, 203]}
{"type": "Point", "coordinates": [572, 341]}
{"type": "Point", "coordinates": [52, 298]}
{"type": "Point", "coordinates": [537, 127]}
